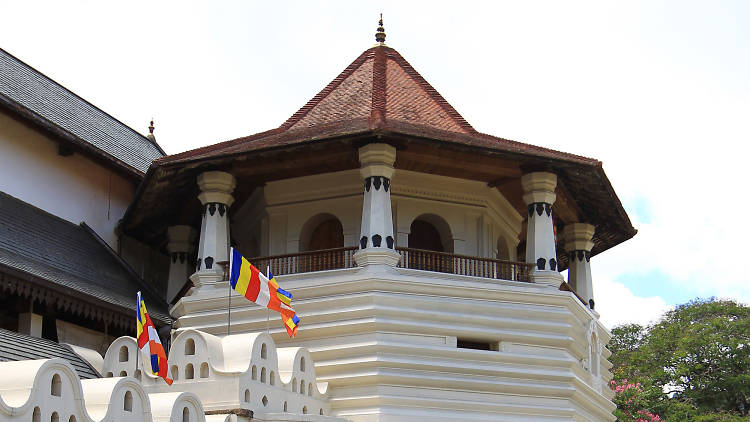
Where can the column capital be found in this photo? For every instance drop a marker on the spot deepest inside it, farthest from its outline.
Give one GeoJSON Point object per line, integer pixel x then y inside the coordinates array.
{"type": "Point", "coordinates": [578, 237]}
{"type": "Point", "coordinates": [216, 187]}
{"type": "Point", "coordinates": [539, 187]}
{"type": "Point", "coordinates": [377, 160]}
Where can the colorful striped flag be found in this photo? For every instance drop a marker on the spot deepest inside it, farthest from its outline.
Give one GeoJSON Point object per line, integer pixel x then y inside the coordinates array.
{"type": "Point", "coordinates": [148, 337]}
{"type": "Point", "coordinates": [289, 318]}
{"type": "Point", "coordinates": [256, 287]}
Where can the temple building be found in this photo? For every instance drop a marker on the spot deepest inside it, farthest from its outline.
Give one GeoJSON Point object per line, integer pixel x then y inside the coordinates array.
{"type": "Point", "coordinates": [425, 260]}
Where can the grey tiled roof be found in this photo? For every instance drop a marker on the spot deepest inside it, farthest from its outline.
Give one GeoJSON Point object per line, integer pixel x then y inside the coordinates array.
{"type": "Point", "coordinates": [42, 245]}
{"type": "Point", "coordinates": [45, 101]}
{"type": "Point", "coordinates": [16, 346]}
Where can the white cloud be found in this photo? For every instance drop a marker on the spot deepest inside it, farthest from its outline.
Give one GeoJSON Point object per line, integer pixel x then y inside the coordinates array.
{"type": "Point", "coordinates": [617, 305]}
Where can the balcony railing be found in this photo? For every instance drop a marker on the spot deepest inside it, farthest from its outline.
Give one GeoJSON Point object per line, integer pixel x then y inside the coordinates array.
{"type": "Point", "coordinates": [305, 262]}
{"type": "Point", "coordinates": [418, 259]}
{"type": "Point", "coordinates": [443, 262]}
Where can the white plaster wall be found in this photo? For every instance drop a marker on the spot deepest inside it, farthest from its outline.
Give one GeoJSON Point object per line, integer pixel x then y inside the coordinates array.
{"type": "Point", "coordinates": [476, 215]}
{"type": "Point", "coordinates": [74, 188]}
{"type": "Point", "coordinates": [385, 339]}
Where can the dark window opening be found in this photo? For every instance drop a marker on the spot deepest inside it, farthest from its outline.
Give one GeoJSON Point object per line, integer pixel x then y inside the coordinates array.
{"type": "Point", "coordinates": [473, 344]}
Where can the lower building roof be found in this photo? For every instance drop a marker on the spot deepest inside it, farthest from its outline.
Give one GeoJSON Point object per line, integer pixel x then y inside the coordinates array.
{"type": "Point", "coordinates": [16, 346]}
{"type": "Point", "coordinates": [70, 260]}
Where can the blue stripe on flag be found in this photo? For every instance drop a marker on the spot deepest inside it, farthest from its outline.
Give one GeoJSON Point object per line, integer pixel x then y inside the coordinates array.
{"type": "Point", "coordinates": [155, 364]}
{"type": "Point", "coordinates": [236, 266]}
{"type": "Point", "coordinates": [284, 292]}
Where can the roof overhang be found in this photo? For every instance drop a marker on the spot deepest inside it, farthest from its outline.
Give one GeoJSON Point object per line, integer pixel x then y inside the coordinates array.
{"type": "Point", "coordinates": [168, 194]}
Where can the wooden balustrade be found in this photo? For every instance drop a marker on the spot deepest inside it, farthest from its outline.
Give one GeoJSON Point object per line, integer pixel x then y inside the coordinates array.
{"type": "Point", "coordinates": [330, 259]}
{"type": "Point", "coordinates": [443, 262]}
{"type": "Point", "coordinates": [303, 262]}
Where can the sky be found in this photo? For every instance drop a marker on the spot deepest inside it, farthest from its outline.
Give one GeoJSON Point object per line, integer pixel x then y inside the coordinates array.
{"type": "Point", "coordinates": [657, 90]}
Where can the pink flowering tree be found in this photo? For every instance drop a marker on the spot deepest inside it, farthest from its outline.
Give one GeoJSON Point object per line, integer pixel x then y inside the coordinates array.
{"type": "Point", "coordinates": [632, 402]}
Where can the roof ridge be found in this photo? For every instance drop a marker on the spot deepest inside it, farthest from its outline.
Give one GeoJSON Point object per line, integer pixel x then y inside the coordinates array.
{"type": "Point", "coordinates": [379, 89]}
{"type": "Point", "coordinates": [80, 98]}
{"type": "Point", "coordinates": [429, 89]}
{"type": "Point", "coordinates": [302, 112]}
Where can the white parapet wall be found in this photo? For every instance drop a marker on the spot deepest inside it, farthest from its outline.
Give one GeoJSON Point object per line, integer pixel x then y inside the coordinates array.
{"type": "Point", "coordinates": [50, 390]}
{"type": "Point", "coordinates": [236, 376]}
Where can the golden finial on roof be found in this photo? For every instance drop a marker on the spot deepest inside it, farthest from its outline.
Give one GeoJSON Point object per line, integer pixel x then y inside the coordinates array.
{"type": "Point", "coordinates": [150, 135]}
{"type": "Point", "coordinates": [380, 34]}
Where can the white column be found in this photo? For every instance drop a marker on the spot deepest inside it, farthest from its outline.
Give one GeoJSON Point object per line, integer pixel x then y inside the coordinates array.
{"type": "Point", "coordinates": [181, 247]}
{"type": "Point", "coordinates": [539, 195]}
{"type": "Point", "coordinates": [578, 242]}
{"type": "Point", "coordinates": [213, 247]}
{"type": "Point", "coordinates": [30, 323]}
{"type": "Point", "coordinates": [376, 242]}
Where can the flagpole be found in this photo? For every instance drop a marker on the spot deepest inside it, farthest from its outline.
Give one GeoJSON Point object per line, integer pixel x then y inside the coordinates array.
{"type": "Point", "coordinates": [138, 312]}
{"type": "Point", "coordinates": [225, 265]}
{"type": "Point", "coordinates": [268, 317]}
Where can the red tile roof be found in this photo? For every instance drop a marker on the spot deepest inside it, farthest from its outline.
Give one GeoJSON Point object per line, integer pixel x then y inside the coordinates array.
{"type": "Point", "coordinates": [380, 85]}
{"type": "Point", "coordinates": [381, 91]}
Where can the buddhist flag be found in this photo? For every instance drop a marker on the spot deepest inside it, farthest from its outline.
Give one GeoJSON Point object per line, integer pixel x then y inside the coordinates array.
{"type": "Point", "coordinates": [148, 339]}
{"type": "Point", "coordinates": [256, 287]}
{"type": "Point", "coordinates": [288, 317]}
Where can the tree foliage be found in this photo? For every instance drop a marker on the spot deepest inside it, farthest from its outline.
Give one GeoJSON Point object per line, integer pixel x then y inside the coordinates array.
{"type": "Point", "coordinates": [694, 364]}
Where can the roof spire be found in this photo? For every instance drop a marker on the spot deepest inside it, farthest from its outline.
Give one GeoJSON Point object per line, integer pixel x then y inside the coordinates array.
{"type": "Point", "coordinates": [150, 135]}
{"type": "Point", "coordinates": [380, 34]}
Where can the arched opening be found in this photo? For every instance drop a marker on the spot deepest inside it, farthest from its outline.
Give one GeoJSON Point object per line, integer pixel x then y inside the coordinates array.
{"type": "Point", "coordinates": [304, 410]}
{"type": "Point", "coordinates": [302, 387]}
{"type": "Point", "coordinates": [263, 375]}
{"type": "Point", "coordinates": [109, 375]}
{"type": "Point", "coordinates": [429, 232]}
{"type": "Point", "coordinates": [502, 249]}
{"type": "Point", "coordinates": [321, 232]}
{"type": "Point", "coordinates": [55, 417]}
{"type": "Point", "coordinates": [321, 412]}
{"type": "Point", "coordinates": [185, 414]}
{"type": "Point", "coordinates": [56, 388]}
{"type": "Point", "coordinates": [128, 402]}
{"type": "Point", "coordinates": [265, 401]}
{"type": "Point", "coordinates": [72, 418]}
{"type": "Point", "coordinates": [263, 351]}
{"type": "Point", "coordinates": [285, 407]}
{"type": "Point", "coordinates": [247, 395]}
{"type": "Point", "coordinates": [138, 374]}
{"type": "Point", "coordinates": [123, 373]}
{"type": "Point", "coordinates": [36, 416]}
{"type": "Point", "coordinates": [272, 378]}
{"type": "Point", "coordinates": [504, 271]}
{"type": "Point", "coordinates": [302, 364]}
{"type": "Point", "coordinates": [309, 389]}
{"type": "Point", "coordinates": [204, 370]}
{"type": "Point", "coordinates": [294, 385]}
{"type": "Point", "coordinates": [124, 354]}
{"type": "Point", "coordinates": [255, 373]}
{"type": "Point", "coordinates": [189, 371]}
{"type": "Point", "coordinates": [189, 347]}
{"type": "Point", "coordinates": [175, 372]}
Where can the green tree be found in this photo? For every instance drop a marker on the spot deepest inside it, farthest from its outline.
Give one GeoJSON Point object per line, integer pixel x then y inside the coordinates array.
{"type": "Point", "coordinates": [694, 364]}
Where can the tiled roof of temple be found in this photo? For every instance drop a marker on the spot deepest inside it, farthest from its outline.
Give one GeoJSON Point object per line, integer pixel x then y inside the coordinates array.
{"type": "Point", "coordinates": [36, 98]}
{"type": "Point", "coordinates": [39, 246]}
